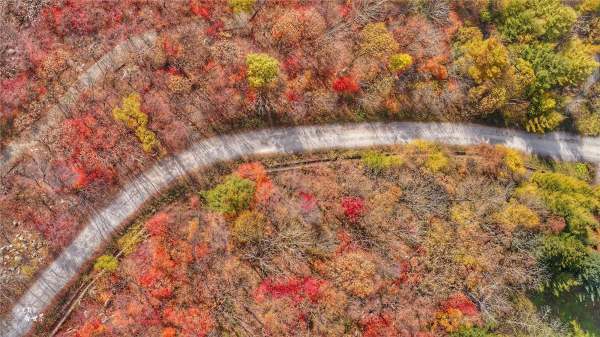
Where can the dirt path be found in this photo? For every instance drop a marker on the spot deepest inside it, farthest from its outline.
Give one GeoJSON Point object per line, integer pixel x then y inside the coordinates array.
{"type": "Point", "coordinates": [110, 62]}
{"type": "Point", "coordinates": [271, 141]}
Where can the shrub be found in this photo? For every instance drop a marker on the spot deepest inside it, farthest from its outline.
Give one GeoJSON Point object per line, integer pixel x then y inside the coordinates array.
{"type": "Point", "coordinates": [376, 41]}
{"type": "Point", "coordinates": [564, 257]}
{"type": "Point", "coordinates": [569, 197]}
{"type": "Point", "coordinates": [133, 237]}
{"type": "Point", "coordinates": [106, 262]}
{"type": "Point", "coordinates": [590, 278]}
{"type": "Point", "coordinates": [379, 162]}
{"type": "Point", "coordinates": [232, 196]}
{"type": "Point", "coordinates": [437, 162]}
{"type": "Point", "coordinates": [526, 20]}
{"type": "Point", "coordinates": [355, 273]}
{"type": "Point", "coordinates": [473, 331]}
{"type": "Point", "coordinates": [249, 227]}
{"type": "Point", "coordinates": [514, 162]}
{"type": "Point", "coordinates": [354, 208]}
{"type": "Point", "coordinates": [241, 6]}
{"type": "Point", "coordinates": [345, 85]}
{"type": "Point", "coordinates": [262, 69]}
{"type": "Point", "coordinates": [515, 214]}
{"type": "Point", "coordinates": [131, 114]}
{"type": "Point", "coordinates": [588, 124]}
{"type": "Point", "coordinates": [400, 62]}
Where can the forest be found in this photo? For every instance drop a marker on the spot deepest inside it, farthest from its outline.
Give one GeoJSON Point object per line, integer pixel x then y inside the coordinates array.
{"type": "Point", "coordinates": [94, 93]}
{"type": "Point", "coordinates": [418, 240]}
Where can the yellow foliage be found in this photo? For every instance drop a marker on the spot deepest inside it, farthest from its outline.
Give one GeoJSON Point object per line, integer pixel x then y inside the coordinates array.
{"type": "Point", "coordinates": [376, 41]}
{"type": "Point", "coordinates": [129, 241]}
{"type": "Point", "coordinates": [513, 160]}
{"type": "Point", "coordinates": [241, 6]}
{"type": "Point", "coordinates": [542, 124]}
{"type": "Point", "coordinates": [131, 114]}
{"type": "Point", "coordinates": [515, 214]}
{"type": "Point", "coordinates": [450, 320]}
{"type": "Point", "coordinates": [249, 227]}
{"type": "Point", "coordinates": [399, 62]}
{"type": "Point", "coordinates": [463, 214]}
{"type": "Point", "coordinates": [437, 162]}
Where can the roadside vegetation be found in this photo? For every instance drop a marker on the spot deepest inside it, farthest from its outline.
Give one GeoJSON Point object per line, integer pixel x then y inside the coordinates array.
{"type": "Point", "coordinates": [419, 240]}
{"type": "Point", "coordinates": [221, 66]}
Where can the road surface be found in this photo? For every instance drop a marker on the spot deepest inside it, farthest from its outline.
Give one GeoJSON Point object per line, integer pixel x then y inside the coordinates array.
{"type": "Point", "coordinates": [207, 152]}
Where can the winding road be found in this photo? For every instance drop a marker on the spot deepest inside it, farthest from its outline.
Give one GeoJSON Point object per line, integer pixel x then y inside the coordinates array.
{"type": "Point", "coordinates": [104, 223]}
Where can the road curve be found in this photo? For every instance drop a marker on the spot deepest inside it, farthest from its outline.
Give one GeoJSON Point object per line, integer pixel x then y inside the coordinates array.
{"type": "Point", "coordinates": [110, 62]}
{"type": "Point", "coordinates": [270, 141]}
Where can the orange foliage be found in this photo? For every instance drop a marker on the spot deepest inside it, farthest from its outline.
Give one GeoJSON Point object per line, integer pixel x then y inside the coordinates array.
{"type": "Point", "coordinates": [435, 68]}
{"type": "Point", "coordinates": [91, 329]}
{"type": "Point", "coordinates": [169, 332]}
{"type": "Point", "coordinates": [256, 172]}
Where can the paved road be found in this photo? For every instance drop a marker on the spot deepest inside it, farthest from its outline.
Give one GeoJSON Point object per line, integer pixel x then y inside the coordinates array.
{"type": "Point", "coordinates": [271, 141]}
{"type": "Point", "coordinates": [111, 61]}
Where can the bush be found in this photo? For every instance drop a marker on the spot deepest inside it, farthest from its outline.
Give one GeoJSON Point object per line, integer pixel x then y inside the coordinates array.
{"type": "Point", "coordinates": [564, 257]}
{"type": "Point", "coordinates": [378, 162]}
{"type": "Point", "coordinates": [376, 41]}
{"type": "Point", "coordinates": [588, 124]}
{"type": "Point", "coordinates": [437, 162]}
{"type": "Point", "coordinates": [262, 69]}
{"type": "Point", "coordinates": [590, 278]}
{"type": "Point", "coordinates": [515, 214]}
{"type": "Point", "coordinates": [232, 196]}
{"type": "Point", "coordinates": [241, 6]}
{"type": "Point", "coordinates": [131, 114]}
{"type": "Point", "coordinates": [569, 197]}
{"type": "Point", "coordinates": [400, 62]}
{"type": "Point", "coordinates": [473, 331]}
{"type": "Point", "coordinates": [106, 262]}
{"type": "Point", "coordinates": [249, 227]}
{"type": "Point", "coordinates": [514, 162]}
{"type": "Point", "coordinates": [527, 20]}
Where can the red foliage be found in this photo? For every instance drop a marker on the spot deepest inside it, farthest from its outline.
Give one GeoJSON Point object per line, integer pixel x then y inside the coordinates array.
{"type": "Point", "coordinates": [172, 48]}
{"type": "Point", "coordinates": [292, 66]}
{"type": "Point", "coordinates": [157, 225]}
{"type": "Point", "coordinates": [199, 9]}
{"type": "Point", "coordinates": [85, 138]}
{"type": "Point", "coordinates": [308, 202]}
{"type": "Point", "coordinates": [57, 231]}
{"type": "Point", "coordinates": [14, 91]}
{"type": "Point", "coordinates": [292, 96]}
{"type": "Point", "coordinates": [354, 207]}
{"type": "Point", "coordinates": [192, 321]}
{"type": "Point", "coordinates": [297, 289]}
{"type": "Point", "coordinates": [215, 28]}
{"type": "Point", "coordinates": [378, 326]}
{"type": "Point", "coordinates": [346, 85]}
{"type": "Point", "coordinates": [462, 303]}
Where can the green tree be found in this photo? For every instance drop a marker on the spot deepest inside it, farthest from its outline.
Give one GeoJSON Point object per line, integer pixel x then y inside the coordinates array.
{"type": "Point", "coordinates": [262, 69]}
{"type": "Point", "coordinates": [528, 20]}
{"type": "Point", "coordinates": [564, 256]}
{"type": "Point", "coordinates": [232, 196]}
